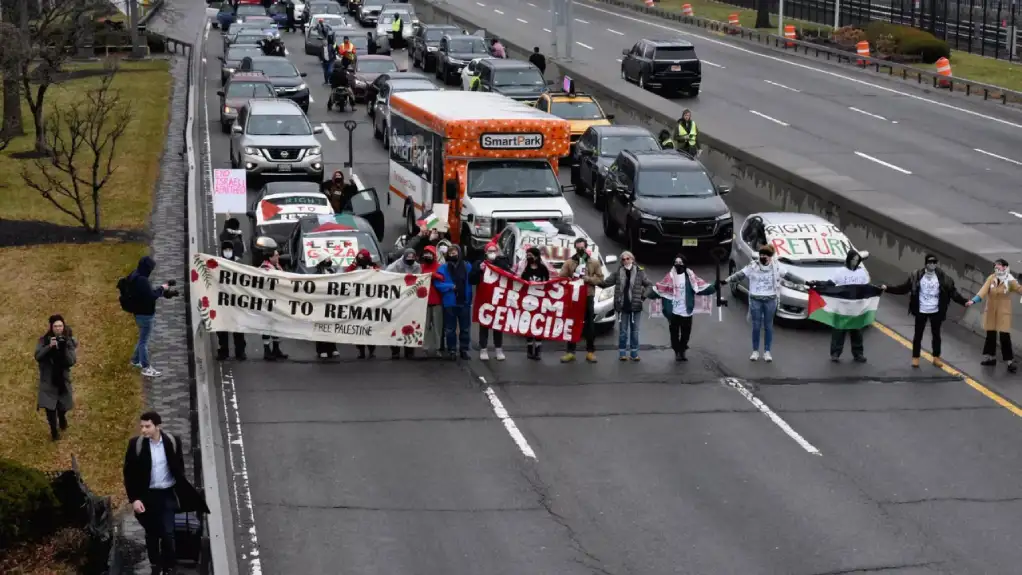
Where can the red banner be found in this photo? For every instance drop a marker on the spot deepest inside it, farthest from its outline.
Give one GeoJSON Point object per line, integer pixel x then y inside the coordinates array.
{"type": "Point", "coordinates": [552, 311]}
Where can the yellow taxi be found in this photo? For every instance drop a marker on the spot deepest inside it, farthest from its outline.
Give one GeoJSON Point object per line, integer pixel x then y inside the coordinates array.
{"type": "Point", "coordinates": [579, 109]}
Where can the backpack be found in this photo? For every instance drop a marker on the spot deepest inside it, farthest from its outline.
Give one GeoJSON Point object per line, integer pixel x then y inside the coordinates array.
{"type": "Point", "coordinates": [126, 298]}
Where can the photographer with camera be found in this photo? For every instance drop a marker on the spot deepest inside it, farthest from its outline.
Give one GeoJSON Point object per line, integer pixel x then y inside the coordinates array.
{"type": "Point", "coordinates": [138, 297]}
{"type": "Point", "coordinates": [56, 353]}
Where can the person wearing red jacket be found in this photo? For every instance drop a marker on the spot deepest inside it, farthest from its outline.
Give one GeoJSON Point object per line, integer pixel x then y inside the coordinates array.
{"type": "Point", "coordinates": [363, 261]}
{"type": "Point", "coordinates": [434, 336]}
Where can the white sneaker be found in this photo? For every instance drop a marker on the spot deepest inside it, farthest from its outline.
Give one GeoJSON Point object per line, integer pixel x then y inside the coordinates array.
{"type": "Point", "coordinates": [500, 354]}
{"type": "Point", "coordinates": [754, 356]}
{"type": "Point", "coordinates": [767, 357]}
{"type": "Point", "coordinates": [483, 355]}
{"type": "Point", "coordinates": [324, 355]}
{"type": "Point", "coordinates": [150, 372]}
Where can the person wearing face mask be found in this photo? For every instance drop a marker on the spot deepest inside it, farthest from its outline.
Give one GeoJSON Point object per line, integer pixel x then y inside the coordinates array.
{"type": "Point", "coordinates": [997, 290]}
{"type": "Point", "coordinates": [534, 269]}
{"type": "Point", "coordinates": [271, 344]}
{"type": "Point", "coordinates": [326, 349]}
{"type": "Point", "coordinates": [456, 295]}
{"type": "Point", "coordinates": [631, 286]}
{"type": "Point", "coordinates": [408, 263]}
{"type": "Point", "coordinates": [363, 261]}
{"type": "Point", "coordinates": [682, 294]}
{"type": "Point", "coordinates": [583, 266]}
{"type": "Point", "coordinates": [229, 251]}
{"type": "Point", "coordinates": [338, 192]}
{"type": "Point", "coordinates": [433, 335]}
{"type": "Point", "coordinates": [853, 273]}
{"type": "Point", "coordinates": [499, 261]}
{"type": "Point", "coordinates": [232, 234]}
{"type": "Point", "coordinates": [931, 292]}
{"type": "Point", "coordinates": [764, 277]}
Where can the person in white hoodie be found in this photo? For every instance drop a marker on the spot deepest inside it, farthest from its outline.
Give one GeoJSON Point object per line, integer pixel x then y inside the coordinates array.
{"type": "Point", "coordinates": [764, 275]}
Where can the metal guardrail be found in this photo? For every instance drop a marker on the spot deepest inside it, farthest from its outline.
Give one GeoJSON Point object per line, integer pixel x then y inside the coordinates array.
{"type": "Point", "coordinates": [905, 71]}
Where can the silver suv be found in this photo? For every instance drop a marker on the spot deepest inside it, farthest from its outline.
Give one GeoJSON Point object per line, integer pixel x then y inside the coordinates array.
{"type": "Point", "coordinates": [273, 138]}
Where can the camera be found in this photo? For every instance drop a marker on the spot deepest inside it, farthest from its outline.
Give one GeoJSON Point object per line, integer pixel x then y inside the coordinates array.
{"type": "Point", "coordinates": [170, 291]}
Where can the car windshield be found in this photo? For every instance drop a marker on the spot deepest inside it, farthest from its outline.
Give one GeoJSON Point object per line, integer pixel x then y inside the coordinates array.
{"type": "Point", "coordinates": [235, 54]}
{"type": "Point", "coordinates": [326, 8]}
{"type": "Point", "coordinates": [675, 53]}
{"type": "Point", "coordinates": [249, 38]}
{"type": "Point", "coordinates": [250, 90]}
{"type": "Point", "coordinates": [434, 34]}
{"type": "Point", "coordinates": [361, 43]}
{"type": "Point", "coordinates": [522, 77]}
{"type": "Point", "coordinates": [340, 247]}
{"type": "Point", "coordinates": [376, 66]}
{"type": "Point", "coordinates": [512, 179]}
{"type": "Point", "coordinates": [611, 146]}
{"type": "Point", "coordinates": [413, 86]}
{"type": "Point", "coordinates": [278, 9]}
{"type": "Point", "coordinates": [577, 110]}
{"type": "Point", "coordinates": [274, 125]}
{"type": "Point", "coordinates": [250, 10]}
{"type": "Point", "coordinates": [467, 46]}
{"type": "Point", "coordinates": [666, 183]}
{"type": "Point", "coordinates": [280, 68]}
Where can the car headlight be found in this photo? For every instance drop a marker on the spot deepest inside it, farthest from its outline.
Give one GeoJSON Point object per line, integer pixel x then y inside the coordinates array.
{"type": "Point", "coordinates": [228, 110]}
{"type": "Point", "coordinates": [301, 87]}
{"type": "Point", "coordinates": [360, 83]}
{"type": "Point", "coordinates": [482, 226]}
{"type": "Point", "coordinates": [604, 170]}
{"type": "Point", "coordinates": [315, 151]}
{"type": "Point", "coordinates": [649, 217]}
{"type": "Point", "coordinates": [431, 48]}
{"type": "Point", "coordinates": [794, 286]}
{"type": "Point", "coordinates": [724, 217]}
{"type": "Point", "coordinates": [251, 151]}
{"type": "Point", "coordinates": [456, 61]}
{"type": "Point", "coordinates": [229, 70]}
{"type": "Point", "coordinates": [606, 294]}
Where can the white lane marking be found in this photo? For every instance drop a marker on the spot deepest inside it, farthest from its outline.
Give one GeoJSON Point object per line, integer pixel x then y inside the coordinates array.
{"type": "Point", "coordinates": [619, 59]}
{"type": "Point", "coordinates": [498, 11]}
{"type": "Point", "coordinates": [531, 4]}
{"type": "Point", "coordinates": [311, 101]}
{"type": "Point", "coordinates": [613, 31]}
{"type": "Point", "coordinates": [763, 408]}
{"type": "Point", "coordinates": [584, 45]}
{"type": "Point", "coordinates": [864, 112]}
{"type": "Point", "coordinates": [708, 63]}
{"type": "Point", "coordinates": [357, 181]}
{"type": "Point", "coordinates": [329, 133]}
{"type": "Point", "coordinates": [509, 424]}
{"type": "Point", "coordinates": [764, 116]}
{"type": "Point", "coordinates": [581, 21]}
{"type": "Point", "coordinates": [992, 155]}
{"type": "Point", "coordinates": [547, 30]}
{"type": "Point", "coordinates": [1016, 214]}
{"type": "Point", "coordinates": [203, 59]}
{"type": "Point", "coordinates": [806, 67]}
{"type": "Point", "coordinates": [234, 437]}
{"type": "Point", "coordinates": [480, 4]}
{"type": "Point", "coordinates": [883, 163]}
{"type": "Point", "coordinates": [522, 21]}
{"type": "Point", "coordinates": [781, 86]}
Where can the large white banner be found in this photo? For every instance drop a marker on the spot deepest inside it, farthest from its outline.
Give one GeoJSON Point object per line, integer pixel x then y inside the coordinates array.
{"type": "Point", "coordinates": [363, 307]}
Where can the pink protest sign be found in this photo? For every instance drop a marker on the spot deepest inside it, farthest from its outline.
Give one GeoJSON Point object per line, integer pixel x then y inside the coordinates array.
{"type": "Point", "coordinates": [230, 191]}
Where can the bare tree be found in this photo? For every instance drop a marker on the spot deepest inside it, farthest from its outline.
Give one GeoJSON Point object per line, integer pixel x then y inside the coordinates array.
{"type": "Point", "coordinates": [13, 13]}
{"type": "Point", "coordinates": [49, 45]}
{"type": "Point", "coordinates": [83, 140]}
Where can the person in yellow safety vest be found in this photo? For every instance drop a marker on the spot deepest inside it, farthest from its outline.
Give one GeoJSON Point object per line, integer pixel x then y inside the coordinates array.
{"type": "Point", "coordinates": [666, 140]}
{"type": "Point", "coordinates": [346, 50]}
{"type": "Point", "coordinates": [395, 32]}
{"type": "Point", "coordinates": [687, 135]}
{"type": "Point", "coordinates": [474, 83]}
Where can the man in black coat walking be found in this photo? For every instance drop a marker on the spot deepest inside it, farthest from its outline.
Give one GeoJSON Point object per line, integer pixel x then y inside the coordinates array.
{"type": "Point", "coordinates": [538, 60]}
{"type": "Point", "coordinates": [155, 481]}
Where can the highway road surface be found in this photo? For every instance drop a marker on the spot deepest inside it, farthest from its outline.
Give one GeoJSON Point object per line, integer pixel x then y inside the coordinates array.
{"type": "Point", "coordinates": [960, 159]}
{"type": "Point", "coordinates": [718, 465]}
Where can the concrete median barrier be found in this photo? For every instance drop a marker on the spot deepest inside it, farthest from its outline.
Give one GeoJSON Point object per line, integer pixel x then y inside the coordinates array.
{"type": "Point", "coordinates": [896, 233]}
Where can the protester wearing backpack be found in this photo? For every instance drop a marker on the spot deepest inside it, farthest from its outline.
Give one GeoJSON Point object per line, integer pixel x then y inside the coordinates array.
{"type": "Point", "coordinates": [138, 297]}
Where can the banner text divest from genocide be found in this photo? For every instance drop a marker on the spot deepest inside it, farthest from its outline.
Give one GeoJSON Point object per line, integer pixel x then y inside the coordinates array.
{"type": "Point", "coordinates": [551, 310]}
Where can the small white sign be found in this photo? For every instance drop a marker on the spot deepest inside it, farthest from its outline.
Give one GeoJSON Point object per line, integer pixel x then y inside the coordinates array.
{"type": "Point", "coordinates": [230, 192]}
{"type": "Point", "coordinates": [532, 141]}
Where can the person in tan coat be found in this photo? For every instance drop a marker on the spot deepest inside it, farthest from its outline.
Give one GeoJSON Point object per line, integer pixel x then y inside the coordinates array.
{"type": "Point", "coordinates": [583, 266]}
{"type": "Point", "coordinates": [997, 290]}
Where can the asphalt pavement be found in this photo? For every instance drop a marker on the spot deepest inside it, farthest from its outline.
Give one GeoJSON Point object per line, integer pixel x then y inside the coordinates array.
{"type": "Point", "coordinates": [961, 159]}
{"type": "Point", "coordinates": [717, 465]}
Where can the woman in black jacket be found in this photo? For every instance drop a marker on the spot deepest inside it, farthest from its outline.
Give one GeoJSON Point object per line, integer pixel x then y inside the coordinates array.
{"type": "Point", "coordinates": [534, 270]}
{"type": "Point", "coordinates": [931, 292]}
{"type": "Point", "coordinates": [56, 352]}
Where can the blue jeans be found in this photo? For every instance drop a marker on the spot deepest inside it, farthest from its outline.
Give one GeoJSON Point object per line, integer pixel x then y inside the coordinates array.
{"type": "Point", "coordinates": [458, 319]}
{"type": "Point", "coordinates": [762, 312]}
{"type": "Point", "coordinates": [328, 68]}
{"type": "Point", "coordinates": [628, 333]}
{"type": "Point", "coordinates": [145, 329]}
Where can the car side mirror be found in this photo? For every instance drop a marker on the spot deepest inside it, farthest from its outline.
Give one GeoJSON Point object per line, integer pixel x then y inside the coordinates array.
{"type": "Point", "coordinates": [302, 74]}
{"type": "Point", "coordinates": [451, 190]}
{"type": "Point", "coordinates": [724, 190]}
{"type": "Point", "coordinates": [624, 52]}
{"type": "Point", "coordinates": [610, 116]}
{"type": "Point", "coordinates": [610, 259]}
{"type": "Point", "coordinates": [221, 58]}
{"type": "Point", "coordinates": [236, 129]}
{"type": "Point", "coordinates": [220, 93]}
{"type": "Point", "coordinates": [317, 130]}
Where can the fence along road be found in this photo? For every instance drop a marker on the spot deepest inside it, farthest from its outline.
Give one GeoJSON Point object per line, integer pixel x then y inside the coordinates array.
{"type": "Point", "coordinates": [957, 158]}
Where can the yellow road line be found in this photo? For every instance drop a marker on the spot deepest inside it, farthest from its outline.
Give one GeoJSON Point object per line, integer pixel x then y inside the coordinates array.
{"type": "Point", "coordinates": [991, 394]}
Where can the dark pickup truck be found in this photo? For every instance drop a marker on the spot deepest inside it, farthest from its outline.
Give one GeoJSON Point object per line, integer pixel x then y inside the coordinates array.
{"type": "Point", "coordinates": [666, 65]}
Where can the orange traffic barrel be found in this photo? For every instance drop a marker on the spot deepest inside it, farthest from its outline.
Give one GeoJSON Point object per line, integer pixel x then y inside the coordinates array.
{"type": "Point", "coordinates": [732, 20]}
{"type": "Point", "coordinates": [789, 33]}
{"type": "Point", "coordinates": [862, 49]}
{"type": "Point", "coordinates": [686, 9]}
{"type": "Point", "coordinates": [944, 69]}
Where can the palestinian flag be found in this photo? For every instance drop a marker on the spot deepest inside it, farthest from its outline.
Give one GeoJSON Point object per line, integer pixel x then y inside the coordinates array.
{"type": "Point", "coordinates": [538, 227]}
{"type": "Point", "coordinates": [844, 307]}
{"type": "Point", "coordinates": [430, 220]}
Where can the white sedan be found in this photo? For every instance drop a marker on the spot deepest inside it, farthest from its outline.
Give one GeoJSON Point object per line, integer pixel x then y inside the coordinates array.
{"type": "Point", "coordinates": [469, 72]}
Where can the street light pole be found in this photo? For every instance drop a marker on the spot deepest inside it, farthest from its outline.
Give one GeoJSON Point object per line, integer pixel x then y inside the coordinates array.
{"type": "Point", "coordinates": [780, 18]}
{"type": "Point", "coordinates": [568, 21]}
{"type": "Point", "coordinates": [837, 14]}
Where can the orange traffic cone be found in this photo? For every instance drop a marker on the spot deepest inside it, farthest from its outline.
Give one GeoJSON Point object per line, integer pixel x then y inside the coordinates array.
{"type": "Point", "coordinates": [862, 48]}
{"type": "Point", "coordinates": [789, 33]}
{"type": "Point", "coordinates": [686, 10]}
{"type": "Point", "coordinates": [732, 20]}
{"type": "Point", "coordinates": [944, 69]}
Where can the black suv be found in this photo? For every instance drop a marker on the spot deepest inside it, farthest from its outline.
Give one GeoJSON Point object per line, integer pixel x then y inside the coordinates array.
{"type": "Point", "coordinates": [425, 42]}
{"type": "Point", "coordinates": [515, 79]}
{"type": "Point", "coordinates": [668, 65]}
{"type": "Point", "coordinates": [597, 150]}
{"type": "Point", "coordinates": [455, 52]}
{"type": "Point", "coordinates": [664, 200]}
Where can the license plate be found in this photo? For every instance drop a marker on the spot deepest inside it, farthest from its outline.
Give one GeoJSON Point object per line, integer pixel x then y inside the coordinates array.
{"type": "Point", "coordinates": [690, 243]}
{"type": "Point", "coordinates": [676, 68]}
{"type": "Point", "coordinates": [284, 167]}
